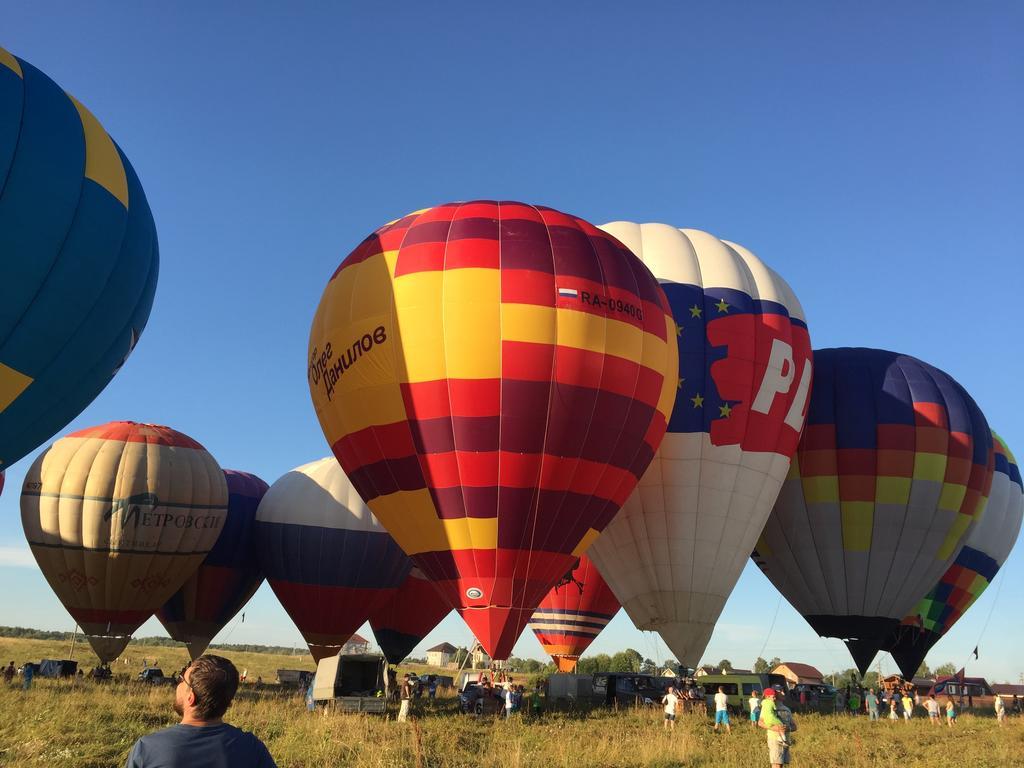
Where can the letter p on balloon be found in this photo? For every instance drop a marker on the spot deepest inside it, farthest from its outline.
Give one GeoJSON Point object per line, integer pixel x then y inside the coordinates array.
{"type": "Point", "coordinates": [778, 379]}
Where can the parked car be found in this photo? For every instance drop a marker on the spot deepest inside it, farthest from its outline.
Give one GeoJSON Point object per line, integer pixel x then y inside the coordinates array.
{"type": "Point", "coordinates": [479, 699]}
{"type": "Point", "coordinates": [297, 677]}
{"type": "Point", "coordinates": [738, 688]}
{"type": "Point", "coordinates": [155, 676]}
{"type": "Point", "coordinates": [629, 689]}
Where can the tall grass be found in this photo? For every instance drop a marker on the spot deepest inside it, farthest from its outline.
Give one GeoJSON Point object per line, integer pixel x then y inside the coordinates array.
{"type": "Point", "coordinates": [87, 725]}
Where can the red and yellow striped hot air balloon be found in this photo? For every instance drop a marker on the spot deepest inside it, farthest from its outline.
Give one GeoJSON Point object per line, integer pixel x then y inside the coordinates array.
{"type": "Point", "coordinates": [118, 517]}
{"type": "Point", "coordinates": [494, 378]}
{"type": "Point", "coordinates": [573, 614]}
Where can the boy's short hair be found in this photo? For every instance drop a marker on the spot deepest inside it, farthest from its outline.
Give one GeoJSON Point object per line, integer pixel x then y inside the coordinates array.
{"type": "Point", "coordinates": [214, 680]}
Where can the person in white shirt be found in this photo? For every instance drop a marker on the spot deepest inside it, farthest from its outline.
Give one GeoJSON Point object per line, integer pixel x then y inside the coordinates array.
{"type": "Point", "coordinates": [755, 708]}
{"type": "Point", "coordinates": [1000, 710]}
{"type": "Point", "coordinates": [722, 710]}
{"type": "Point", "coordinates": [933, 709]}
{"type": "Point", "coordinates": [509, 701]}
{"type": "Point", "coordinates": [671, 701]}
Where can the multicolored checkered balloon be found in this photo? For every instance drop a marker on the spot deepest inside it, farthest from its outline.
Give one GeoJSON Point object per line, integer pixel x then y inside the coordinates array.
{"type": "Point", "coordinates": [891, 475]}
{"type": "Point", "coordinates": [970, 574]}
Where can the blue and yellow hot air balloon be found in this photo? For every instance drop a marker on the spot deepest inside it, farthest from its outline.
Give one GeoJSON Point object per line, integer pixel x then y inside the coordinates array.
{"type": "Point", "coordinates": [79, 258]}
{"type": "Point", "coordinates": [891, 475]}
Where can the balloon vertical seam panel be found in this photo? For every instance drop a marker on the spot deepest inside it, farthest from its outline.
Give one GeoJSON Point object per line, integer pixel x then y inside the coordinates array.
{"type": "Point", "coordinates": [78, 290]}
{"type": "Point", "coordinates": [427, 459]}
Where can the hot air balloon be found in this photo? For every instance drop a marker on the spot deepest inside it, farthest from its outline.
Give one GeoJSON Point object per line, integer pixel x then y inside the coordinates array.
{"type": "Point", "coordinates": [893, 469]}
{"type": "Point", "coordinates": [118, 517]}
{"type": "Point", "coordinates": [408, 616]}
{"type": "Point", "coordinates": [326, 557]}
{"type": "Point", "coordinates": [983, 554]}
{"type": "Point", "coordinates": [674, 553]}
{"type": "Point", "coordinates": [494, 377]}
{"type": "Point", "coordinates": [573, 613]}
{"type": "Point", "coordinates": [226, 579]}
{"type": "Point", "coordinates": [80, 258]}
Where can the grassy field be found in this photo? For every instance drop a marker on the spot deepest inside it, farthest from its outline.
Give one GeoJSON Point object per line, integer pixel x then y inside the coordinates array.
{"type": "Point", "coordinates": [86, 725]}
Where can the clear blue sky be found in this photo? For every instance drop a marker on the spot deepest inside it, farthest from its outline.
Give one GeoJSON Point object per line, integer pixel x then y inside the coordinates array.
{"type": "Point", "coordinates": [870, 152]}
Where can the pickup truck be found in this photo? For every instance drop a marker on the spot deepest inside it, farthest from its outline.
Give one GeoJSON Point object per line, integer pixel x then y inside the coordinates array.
{"type": "Point", "coordinates": [351, 683]}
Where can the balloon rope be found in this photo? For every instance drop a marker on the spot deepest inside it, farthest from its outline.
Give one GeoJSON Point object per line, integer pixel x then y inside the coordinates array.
{"type": "Point", "coordinates": [767, 637]}
{"type": "Point", "coordinates": [991, 610]}
{"type": "Point", "coordinates": [233, 628]}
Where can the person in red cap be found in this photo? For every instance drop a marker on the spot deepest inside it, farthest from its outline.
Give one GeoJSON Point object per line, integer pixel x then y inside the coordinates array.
{"type": "Point", "coordinates": [776, 728]}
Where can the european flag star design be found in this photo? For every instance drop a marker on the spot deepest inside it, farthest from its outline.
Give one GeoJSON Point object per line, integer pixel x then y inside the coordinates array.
{"type": "Point", "coordinates": [699, 404]}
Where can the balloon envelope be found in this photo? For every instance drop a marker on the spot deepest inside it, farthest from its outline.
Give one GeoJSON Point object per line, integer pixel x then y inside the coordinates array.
{"type": "Point", "coordinates": [227, 577]}
{"type": "Point", "coordinates": [573, 613]}
{"type": "Point", "coordinates": [891, 474]}
{"type": "Point", "coordinates": [80, 260]}
{"type": "Point", "coordinates": [675, 551]}
{"type": "Point", "coordinates": [984, 553]}
{"type": "Point", "coordinates": [326, 557]}
{"type": "Point", "coordinates": [118, 517]}
{"type": "Point", "coordinates": [494, 377]}
{"type": "Point", "coordinates": [402, 621]}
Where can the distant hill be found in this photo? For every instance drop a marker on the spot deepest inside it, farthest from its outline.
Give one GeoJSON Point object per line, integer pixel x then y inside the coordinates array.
{"type": "Point", "coordinates": [160, 642]}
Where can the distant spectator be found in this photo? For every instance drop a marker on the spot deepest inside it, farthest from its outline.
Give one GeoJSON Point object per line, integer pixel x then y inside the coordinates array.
{"type": "Point", "coordinates": [9, 673]}
{"type": "Point", "coordinates": [406, 696]}
{"type": "Point", "coordinates": [671, 701]}
{"type": "Point", "coordinates": [950, 712]}
{"type": "Point", "coordinates": [933, 709]}
{"type": "Point", "coordinates": [908, 706]}
{"type": "Point", "coordinates": [755, 707]}
{"type": "Point", "coordinates": [202, 738]}
{"type": "Point", "coordinates": [871, 702]}
{"type": "Point", "coordinates": [27, 673]}
{"type": "Point", "coordinates": [432, 687]}
{"type": "Point", "coordinates": [535, 701]}
{"type": "Point", "coordinates": [1000, 710]}
{"type": "Point", "coordinates": [722, 710]}
{"type": "Point", "coordinates": [855, 701]}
